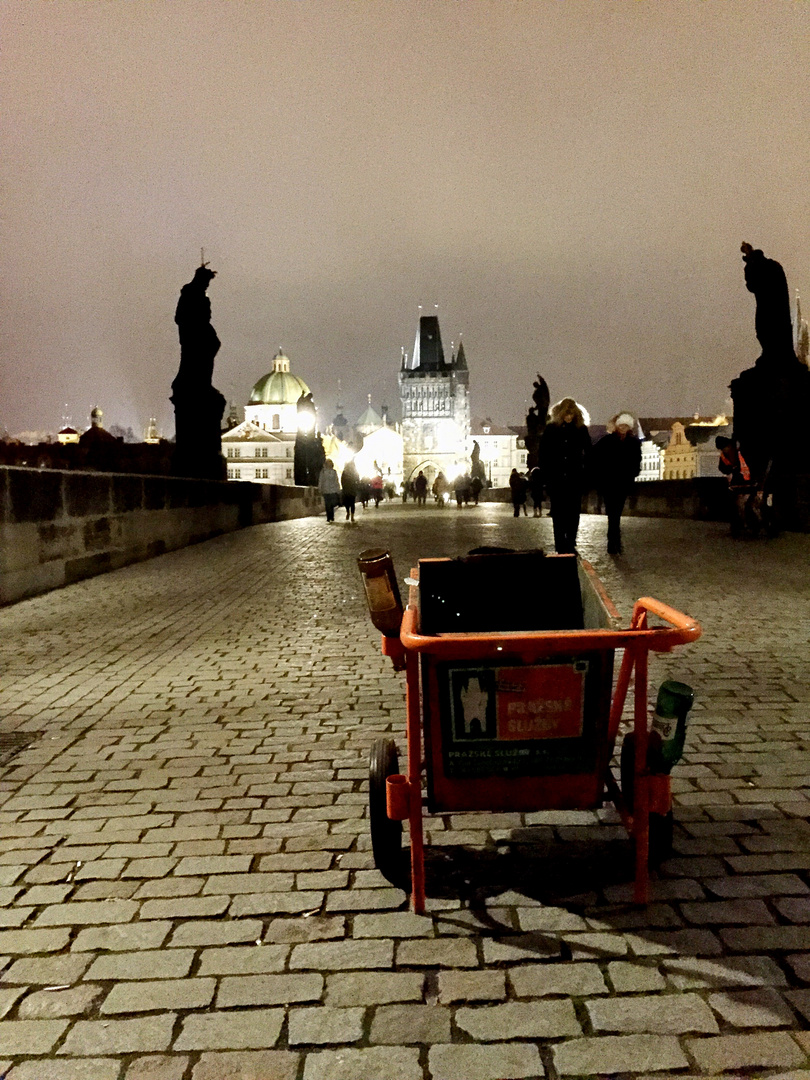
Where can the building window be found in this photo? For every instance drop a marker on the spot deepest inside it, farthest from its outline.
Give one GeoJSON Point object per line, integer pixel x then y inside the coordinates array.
{"type": "Point", "coordinates": [276, 421]}
{"type": "Point", "coordinates": [289, 474]}
{"type": "Point", "coordinates": [289, 454]}
{"type": "Point", "coordinates": [230, 451]}
{"type": "Point", "coordinates": [237, 451]}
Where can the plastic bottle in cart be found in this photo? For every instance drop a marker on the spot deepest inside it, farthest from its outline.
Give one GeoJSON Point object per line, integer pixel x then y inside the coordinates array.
{"type": "Point", "coordinates": [668, 732]}
{"type": "Point", "coordinates": [382, 591]}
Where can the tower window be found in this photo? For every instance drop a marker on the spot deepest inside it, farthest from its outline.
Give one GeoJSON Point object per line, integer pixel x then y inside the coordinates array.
{"type": "Point", "coordinates": [276, 421]}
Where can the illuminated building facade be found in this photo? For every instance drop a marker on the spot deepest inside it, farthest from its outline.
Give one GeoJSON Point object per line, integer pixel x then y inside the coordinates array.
{"type": "Point", "coordinates": [501, 449]}
{"type": "Point", "coordinates": [261, 449]}
{"type": "Point", "coordinates": [435, 399]}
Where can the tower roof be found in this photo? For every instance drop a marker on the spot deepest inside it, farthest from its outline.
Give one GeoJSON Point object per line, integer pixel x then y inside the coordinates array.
{"type": "Point", "coordinates": [370, 419]}
{"type": "Point", "coordinates": [428, 354]}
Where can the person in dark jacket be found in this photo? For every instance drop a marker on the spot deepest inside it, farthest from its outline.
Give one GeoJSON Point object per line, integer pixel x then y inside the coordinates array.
{"type": "Point", "coordinates": [565, 450]}
{"type": "Point", "coordinates": [349, 483]}
{"type": "Point", "coordinates": [519, 487]}
{"type": "Point", "coordinates": [617, 462]}
{"type": "Point", "coordinates": [420, 487]}
{"type": "Point", "coordinates": [536, 491]}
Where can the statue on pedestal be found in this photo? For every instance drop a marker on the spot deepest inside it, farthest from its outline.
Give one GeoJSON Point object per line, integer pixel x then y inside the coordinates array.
{"type": "Point", "coordinates": [536, 422]}
{"type": "Point", "coordinates": [198, 405]}
{"type": "Point", "coordinates": [770, 396]}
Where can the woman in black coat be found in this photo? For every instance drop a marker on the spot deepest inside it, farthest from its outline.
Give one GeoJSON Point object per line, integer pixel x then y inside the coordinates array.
{"type": "Point", "coordinates": [565, 450]}
{"type": "Point", "coordinates": [617, 462]}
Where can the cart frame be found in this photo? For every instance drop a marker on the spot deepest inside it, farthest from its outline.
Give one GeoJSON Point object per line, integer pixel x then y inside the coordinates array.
{"type": "Point", "coordinates": [651, 792]}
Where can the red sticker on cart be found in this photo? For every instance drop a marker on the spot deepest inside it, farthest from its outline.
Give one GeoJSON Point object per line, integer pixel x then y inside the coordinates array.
{"type": "Point", "coordinates": [541, 702]}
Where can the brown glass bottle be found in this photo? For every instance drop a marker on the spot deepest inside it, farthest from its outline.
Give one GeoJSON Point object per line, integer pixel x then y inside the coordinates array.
{"type": "Point", "coordinates": [382, 591]}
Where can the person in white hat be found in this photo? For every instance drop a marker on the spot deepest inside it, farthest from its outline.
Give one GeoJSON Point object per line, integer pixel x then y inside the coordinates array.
{"type": "Point", "coordinates": [617, 462]}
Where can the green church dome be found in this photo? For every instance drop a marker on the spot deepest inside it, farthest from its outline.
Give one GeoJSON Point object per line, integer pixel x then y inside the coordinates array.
{"type": "Point", "coordinates": [280, 386]}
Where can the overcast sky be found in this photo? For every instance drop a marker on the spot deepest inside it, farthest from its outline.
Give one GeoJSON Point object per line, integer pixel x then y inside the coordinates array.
{"type": "Point", "coordinates": [570, 180]}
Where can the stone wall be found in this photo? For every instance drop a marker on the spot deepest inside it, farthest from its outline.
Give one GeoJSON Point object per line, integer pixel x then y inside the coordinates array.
{"type": "Point", "coordinates": [57, 527]}
{"type": "Point", "coordinates": [705, 499]}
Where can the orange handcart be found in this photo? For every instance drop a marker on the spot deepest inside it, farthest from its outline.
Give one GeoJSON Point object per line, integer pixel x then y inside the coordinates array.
{"type": "Point", "coordinates": [526, 720]}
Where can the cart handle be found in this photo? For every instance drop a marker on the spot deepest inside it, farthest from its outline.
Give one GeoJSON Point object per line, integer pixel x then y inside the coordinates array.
{"type": "Point", "coordinates": [688, 628]}
{"type": "Point", "coordinates": [681, 630]}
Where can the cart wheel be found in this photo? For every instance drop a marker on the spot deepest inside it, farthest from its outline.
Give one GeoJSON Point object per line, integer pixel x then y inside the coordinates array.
{"type": "Point", "coordinates": [386, 835]}
{"type": "Point", "coordinates": [661, 825]}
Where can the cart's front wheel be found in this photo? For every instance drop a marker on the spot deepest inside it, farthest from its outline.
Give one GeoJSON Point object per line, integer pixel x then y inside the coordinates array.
{"type": "Point", "coordinates": [661, 825]}
{"type": "Point", "coordinates": [386, 835]}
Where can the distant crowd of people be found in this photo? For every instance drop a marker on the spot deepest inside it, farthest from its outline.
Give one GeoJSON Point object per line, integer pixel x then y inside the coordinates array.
{"type": "Point", "coordinates": [348, 489]}
{"type": "Point", "coordinates": [569, 465]}
{"type": "Point", "coordinates": [465, 488]}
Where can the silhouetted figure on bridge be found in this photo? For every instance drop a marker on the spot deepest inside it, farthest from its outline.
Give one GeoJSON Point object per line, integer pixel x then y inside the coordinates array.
{"type": "Point", "coordinates": [769, 396]}
{"type": "Point", "coordinates": [198, 405]}
{"type": "Point", "coordinates": [536, 420]}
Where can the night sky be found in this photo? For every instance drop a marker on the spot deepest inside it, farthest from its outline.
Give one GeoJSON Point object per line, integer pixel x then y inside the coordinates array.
{"type": "Point", "coordinates": [569, 180]}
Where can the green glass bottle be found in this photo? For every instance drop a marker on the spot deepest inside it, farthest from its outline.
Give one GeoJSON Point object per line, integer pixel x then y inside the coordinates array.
{"type": "Point", "coordinates": [668, 732]}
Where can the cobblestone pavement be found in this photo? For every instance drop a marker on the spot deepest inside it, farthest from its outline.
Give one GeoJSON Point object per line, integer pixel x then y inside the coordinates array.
{"type": "Point", "coordinates": [185, 881]}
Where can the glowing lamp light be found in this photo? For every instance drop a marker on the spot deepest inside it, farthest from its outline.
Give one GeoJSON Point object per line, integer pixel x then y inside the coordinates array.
{"type": "Point", "coordinates": [306, 422]}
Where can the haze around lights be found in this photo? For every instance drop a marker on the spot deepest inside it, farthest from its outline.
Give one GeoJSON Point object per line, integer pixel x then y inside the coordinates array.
{"type": "Point", "coordinates": [570, 182]}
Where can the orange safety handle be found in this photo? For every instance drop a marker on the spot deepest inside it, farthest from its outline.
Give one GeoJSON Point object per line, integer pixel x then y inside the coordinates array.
{"type": "Point", "coordinates": [683, 627]}
{"type": "Point", "coordinates": [681, 630]}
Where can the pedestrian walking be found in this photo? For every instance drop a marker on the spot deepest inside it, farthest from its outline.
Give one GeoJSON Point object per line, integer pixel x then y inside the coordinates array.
{"type": "Point", "coordinates": [461, 487]}
{"type": "Point", "coordinates": [349, 482]}
{"type": "Point", "coordinates": [536, 491]}
{"type": "Point", "coordinates": [329, 487]}
{"type": "Point", "coordinates": [440, 489]}
{"type": "Point", "coordinates": [565, 450]}
{"type": "Point", "coordinates": [617, 462]}
{"type": "Point", "coordinates": [420, 488]}
{"type": "Point", "coordinates": [476, 487]}
{"type": "Point", "coordinates": [377, 489]}
{"type": "Point", "coordinates": [519, 486]}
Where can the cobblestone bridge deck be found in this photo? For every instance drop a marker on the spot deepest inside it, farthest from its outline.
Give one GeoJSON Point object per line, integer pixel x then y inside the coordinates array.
{"type": "Point", "coordinates": [185, 886]}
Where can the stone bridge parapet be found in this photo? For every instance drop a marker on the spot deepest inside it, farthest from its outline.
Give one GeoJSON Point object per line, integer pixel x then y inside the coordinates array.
{"type": "Point", "coordinates": [57, 527]}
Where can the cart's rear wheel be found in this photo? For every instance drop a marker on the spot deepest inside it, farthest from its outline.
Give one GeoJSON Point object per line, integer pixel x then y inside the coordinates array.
{"type": "Point", "coordinates": [386, 835]}
{"type": "Point", "coordinates": [661, 825]}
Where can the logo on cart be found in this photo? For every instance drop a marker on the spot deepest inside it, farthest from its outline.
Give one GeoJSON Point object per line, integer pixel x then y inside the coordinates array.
{"type": "Point", "coordinates": [475, 712]}
{"type": "Point", "coordinates": [544, 701]}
